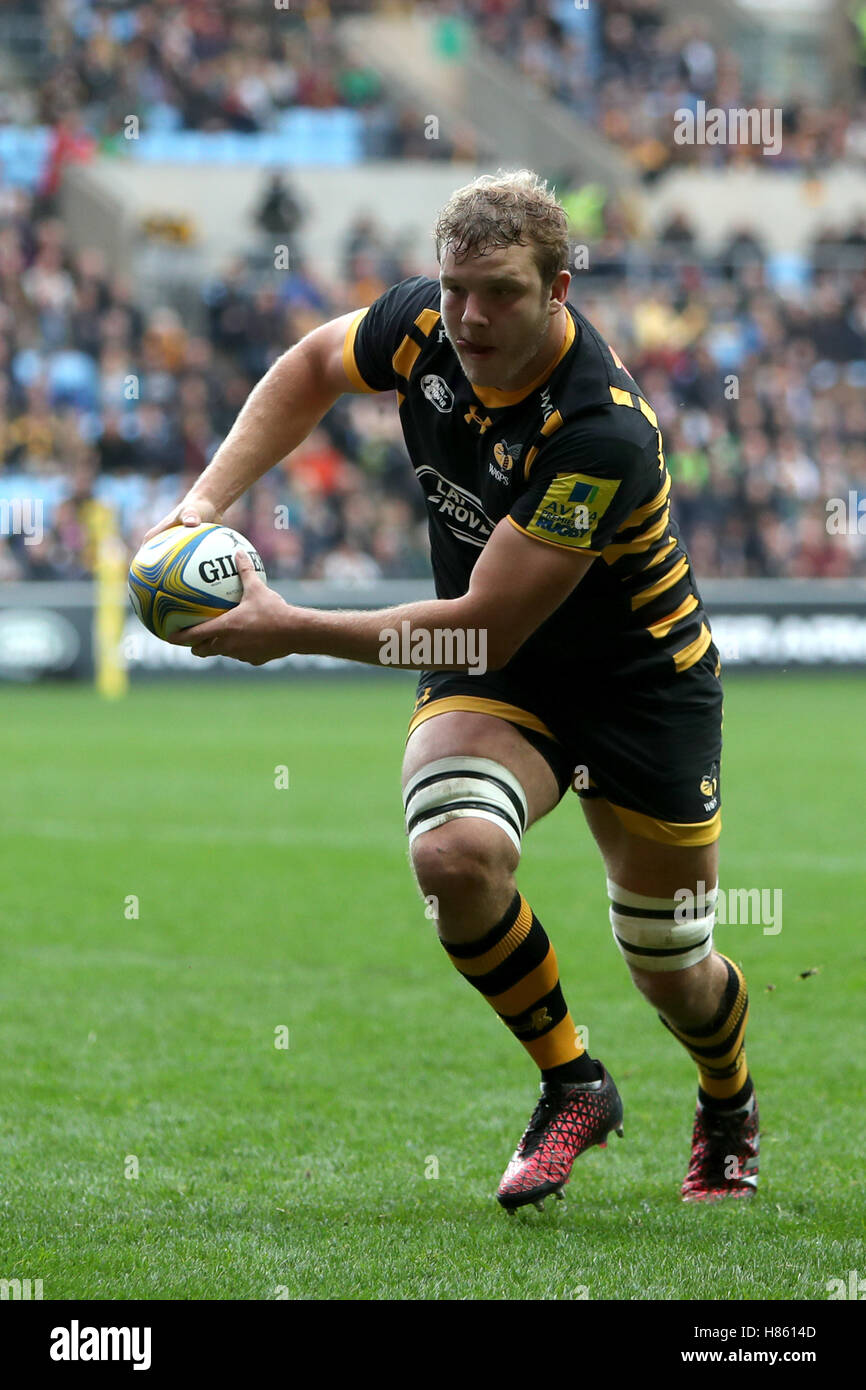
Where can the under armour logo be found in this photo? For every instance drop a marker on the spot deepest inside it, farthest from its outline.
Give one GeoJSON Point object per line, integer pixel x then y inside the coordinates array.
{"type": "Point", "coordinates": [473, 418]}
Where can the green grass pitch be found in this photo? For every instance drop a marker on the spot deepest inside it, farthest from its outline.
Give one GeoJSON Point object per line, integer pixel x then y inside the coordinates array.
{"type": "Point", "coordinates": [156, 1143]}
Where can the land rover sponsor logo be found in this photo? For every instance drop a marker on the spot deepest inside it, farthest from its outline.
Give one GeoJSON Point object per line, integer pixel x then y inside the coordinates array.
{"type": "Point", "coordinates": [461, 510]}
{"type": "Point", "coordinates": [438, 393]}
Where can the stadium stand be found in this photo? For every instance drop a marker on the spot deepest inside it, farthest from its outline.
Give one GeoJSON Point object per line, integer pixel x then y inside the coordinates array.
{"type": "Point", "coordinates": [628, 65]}
{"type": "Point", "coordinates": [757, 379]}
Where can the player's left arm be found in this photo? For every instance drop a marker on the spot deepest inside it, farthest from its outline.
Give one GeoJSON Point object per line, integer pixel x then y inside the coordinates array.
{"type": "Point", "coordinates": [517, 583]}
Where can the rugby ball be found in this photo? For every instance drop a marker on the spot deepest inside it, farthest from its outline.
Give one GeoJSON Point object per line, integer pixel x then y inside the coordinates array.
{"type": "Point", "coordinates": [187, 575]}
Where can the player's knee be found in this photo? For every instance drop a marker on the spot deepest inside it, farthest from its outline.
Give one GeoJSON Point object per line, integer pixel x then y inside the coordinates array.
{"type": "Point", "coordinates": [465, 818]}
{"type": "Point", "coordinates": [461, 861]}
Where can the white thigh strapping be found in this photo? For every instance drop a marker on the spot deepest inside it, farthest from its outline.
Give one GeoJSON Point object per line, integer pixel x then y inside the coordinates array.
{"type": "Point", "coordinates": [451, 788]}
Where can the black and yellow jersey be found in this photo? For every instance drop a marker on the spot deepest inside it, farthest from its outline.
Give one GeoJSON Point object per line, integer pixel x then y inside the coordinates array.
{"type": "Point", "coordinates": [574, 459]}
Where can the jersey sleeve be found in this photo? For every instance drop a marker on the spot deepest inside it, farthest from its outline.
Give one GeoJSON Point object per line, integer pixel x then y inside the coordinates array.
{"type": "Point", "coordinates": [587, 481]}
{"type": "Point", "coordinates": [376, 334]}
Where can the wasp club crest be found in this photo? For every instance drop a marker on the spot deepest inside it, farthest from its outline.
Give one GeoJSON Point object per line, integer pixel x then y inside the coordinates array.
{"type": "Point", "coordinates": [505, 454]}
{"type": "Point", "coordinates": [710, 787]}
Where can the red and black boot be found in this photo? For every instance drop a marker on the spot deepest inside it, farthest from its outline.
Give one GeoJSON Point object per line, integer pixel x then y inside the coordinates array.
{"type": "Point", "coordinates": [724, 1160]}
{"type": "Point", "coordinates": [569, 1118]}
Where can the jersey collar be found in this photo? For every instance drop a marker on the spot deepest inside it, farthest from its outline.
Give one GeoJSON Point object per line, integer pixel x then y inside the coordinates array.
{"type": "Point", "coordinates": [492, 397]}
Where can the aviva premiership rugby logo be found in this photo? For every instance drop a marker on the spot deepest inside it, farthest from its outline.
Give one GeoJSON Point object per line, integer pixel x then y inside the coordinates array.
{"type": "Point", "coordinates": [438, 393]}
{"type": "Point", "coordinates": [571, 508]}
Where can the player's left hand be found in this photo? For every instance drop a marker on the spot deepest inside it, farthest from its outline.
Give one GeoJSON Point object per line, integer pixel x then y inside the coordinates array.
{"type": "Point", "coordinates": [255, 632]}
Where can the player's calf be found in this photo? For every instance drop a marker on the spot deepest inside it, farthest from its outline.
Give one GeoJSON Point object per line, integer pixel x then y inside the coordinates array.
{"type": "Point", "coordinates": [702, 1000]}
{"type": "Point", "coordinates": [465, 818]}
{"type": "Point", "coordinates": [685, 997]}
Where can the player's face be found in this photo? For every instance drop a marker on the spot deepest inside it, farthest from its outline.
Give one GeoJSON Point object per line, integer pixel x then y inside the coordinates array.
{"type": "Point", "coordinates": [503, 326]}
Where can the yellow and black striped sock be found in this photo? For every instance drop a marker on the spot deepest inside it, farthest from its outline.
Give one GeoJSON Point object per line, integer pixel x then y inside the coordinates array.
{"type": "Point", "coordinates": [514, 966]}
{"type": "Point", "coordinates": [718, 1048]}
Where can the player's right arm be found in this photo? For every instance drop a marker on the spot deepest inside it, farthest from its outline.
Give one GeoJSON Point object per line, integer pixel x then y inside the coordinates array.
{"type": "Point", "coordinates": [279, 413]}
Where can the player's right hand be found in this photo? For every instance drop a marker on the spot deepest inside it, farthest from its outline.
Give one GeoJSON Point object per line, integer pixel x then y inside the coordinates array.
{"type": "Point", "coordinates": [192, 511]}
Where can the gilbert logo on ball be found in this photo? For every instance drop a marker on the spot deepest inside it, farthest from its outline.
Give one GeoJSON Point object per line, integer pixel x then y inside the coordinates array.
{"type": "Point", "coordinates": [187, 575]}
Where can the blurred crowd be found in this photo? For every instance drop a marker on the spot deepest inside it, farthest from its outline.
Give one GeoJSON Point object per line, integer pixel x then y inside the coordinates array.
{"type": "Point", "coordinates": [627, 66]}
{"type": "Point", "coordinates": [759, 390]}
{"type": "Point", "coordinates": [215, 66]}
{"type": "Point", "coordinates": [108, 412]}
{"type": "Point", "coordinates": [238, 65]}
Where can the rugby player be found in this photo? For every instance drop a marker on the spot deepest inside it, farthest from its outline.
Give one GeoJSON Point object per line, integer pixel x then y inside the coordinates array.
{"type": "Point", "coordinates": [549, 514]}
